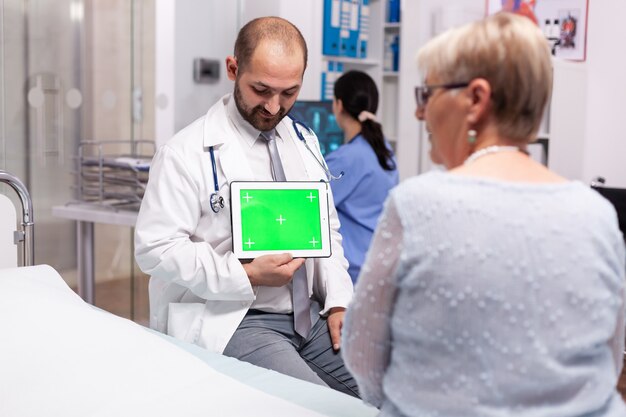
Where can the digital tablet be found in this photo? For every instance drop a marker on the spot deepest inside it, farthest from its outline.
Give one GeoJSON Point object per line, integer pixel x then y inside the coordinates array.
{"type": "Point", "coordinates": [280, 217]}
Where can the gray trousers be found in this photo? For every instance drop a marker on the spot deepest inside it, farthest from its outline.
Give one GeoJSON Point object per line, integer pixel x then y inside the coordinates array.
{"type": "Point", "coordinates": [270, 341]}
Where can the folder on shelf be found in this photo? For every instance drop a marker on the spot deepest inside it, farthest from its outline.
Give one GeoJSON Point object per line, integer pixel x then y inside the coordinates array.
{"type": "Point", "coordinates": [332, 27]}
{"type": "Point", "coordinates": [338, 70]}
{"type": "Point", "coordinates": [344, 28]}
{"type": "Point", "coordinates": [326, 79]}
{"type": "Point", "coordinates": [393, 11]}
{"type": "Point", "coordinates": [364, 28]}
{"type": "Point", "coordinates": [334, 71]}
{"type": "Point", "coordinates": [395, 50]}
{"type": "Point", "coordinates": [349, 28]}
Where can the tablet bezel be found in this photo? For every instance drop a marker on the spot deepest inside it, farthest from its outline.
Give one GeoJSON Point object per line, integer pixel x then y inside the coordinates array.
{"type": "Point", "coordinates": [235, 217]}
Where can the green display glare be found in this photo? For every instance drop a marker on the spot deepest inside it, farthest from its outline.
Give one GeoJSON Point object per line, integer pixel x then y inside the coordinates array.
{"type": "Point", "coordinates": [280, 219]}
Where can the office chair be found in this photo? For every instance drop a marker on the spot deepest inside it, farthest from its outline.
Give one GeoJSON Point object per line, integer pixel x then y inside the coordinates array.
{"type": "Point", "coordinates": [617, 197]}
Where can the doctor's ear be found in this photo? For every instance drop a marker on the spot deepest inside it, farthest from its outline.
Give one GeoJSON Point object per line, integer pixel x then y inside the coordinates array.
{"type": "Point", "coordinates": [231, 67]}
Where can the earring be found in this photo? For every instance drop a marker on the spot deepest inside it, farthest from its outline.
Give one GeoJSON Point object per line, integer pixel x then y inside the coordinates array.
{"type": "Point", "coordinates": [471, 136]}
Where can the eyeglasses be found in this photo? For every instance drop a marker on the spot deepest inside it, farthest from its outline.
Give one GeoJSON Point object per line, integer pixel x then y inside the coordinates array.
{"type": "Point", "coordinates": [423, 92]}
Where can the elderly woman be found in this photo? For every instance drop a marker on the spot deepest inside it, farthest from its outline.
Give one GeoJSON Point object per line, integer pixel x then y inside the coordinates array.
{"type": "Point", "coordinates": [495, 288]}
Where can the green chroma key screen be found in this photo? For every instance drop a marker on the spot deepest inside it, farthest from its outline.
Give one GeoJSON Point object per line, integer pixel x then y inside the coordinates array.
{"type": "Point", "coordinates": [280, 219]}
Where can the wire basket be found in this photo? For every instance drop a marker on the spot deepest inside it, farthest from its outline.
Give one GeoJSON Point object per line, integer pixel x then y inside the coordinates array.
{"type": "Point", "coordinates": [114, 173]}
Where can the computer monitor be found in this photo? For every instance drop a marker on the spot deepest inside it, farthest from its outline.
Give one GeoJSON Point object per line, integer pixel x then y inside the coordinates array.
{"type": "Point", "coordinates": [318, 115]}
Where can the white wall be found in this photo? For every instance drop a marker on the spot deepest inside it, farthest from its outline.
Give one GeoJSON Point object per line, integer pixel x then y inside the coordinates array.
{"type": "Point", "coordinates": [421, 20]}
{"type": "Point", "coordinates": [214, 24]}
{"type": "Point", "coordinates": [587, 137]}
{"type": "Point", "coordinates": [568, 119]}
{"type": "Point", "coordinates": [307, 16]}
{"type": "Point", "coordinates": [164, 73]}
{"type": "Point", "coordinates": [605, 150]}
{"type": "Point", "coordinates": [188, 29]}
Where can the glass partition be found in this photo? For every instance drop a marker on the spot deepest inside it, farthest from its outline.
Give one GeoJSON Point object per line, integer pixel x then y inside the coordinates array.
{"type": "Point", "coordinates": [71, 71]}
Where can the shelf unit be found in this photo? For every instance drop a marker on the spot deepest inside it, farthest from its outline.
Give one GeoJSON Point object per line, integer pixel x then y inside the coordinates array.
{"type": "Point", "coordinates": [386, 81]}
{"type": "Point", "coordinates": [391, 25]}
{"type": "Point", "coordinates": [308, 16]}
{"type": "Point", "coordinates": [390, 82]}
{"type": "Point", "coordinates": [353, 62]}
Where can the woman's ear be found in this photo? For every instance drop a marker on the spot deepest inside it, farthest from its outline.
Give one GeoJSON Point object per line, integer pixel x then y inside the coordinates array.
{"type": "Point", "coordinates": [479, 91]}
{"type": "Point", "coordinates": [231, 67]}
{"type": "Point", "coordinates": [339, 105]}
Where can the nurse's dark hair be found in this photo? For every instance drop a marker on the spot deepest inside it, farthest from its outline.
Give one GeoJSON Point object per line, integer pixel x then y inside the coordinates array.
{"type": "Point", "coordinates": [357, 92]}
{"type": "Point", "coordinates": [267, 28]}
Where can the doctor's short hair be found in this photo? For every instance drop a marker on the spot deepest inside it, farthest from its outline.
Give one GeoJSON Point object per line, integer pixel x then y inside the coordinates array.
{"type": "Point", "coordinates": [511, 53]}
{"type": "Point", "coordinates": [267, 28]}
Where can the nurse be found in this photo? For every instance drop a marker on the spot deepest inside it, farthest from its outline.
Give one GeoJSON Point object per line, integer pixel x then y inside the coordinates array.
{"type": "Point", "coordinates": [367, 161]}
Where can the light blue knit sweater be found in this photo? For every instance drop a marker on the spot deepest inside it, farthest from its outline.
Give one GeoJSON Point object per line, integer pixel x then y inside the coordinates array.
{"type": "Point", "coordinates": [506, 299]}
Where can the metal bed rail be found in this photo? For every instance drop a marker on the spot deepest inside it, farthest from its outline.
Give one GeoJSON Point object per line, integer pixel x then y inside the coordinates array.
{"type": "Point", "coordinates": [24, 238]}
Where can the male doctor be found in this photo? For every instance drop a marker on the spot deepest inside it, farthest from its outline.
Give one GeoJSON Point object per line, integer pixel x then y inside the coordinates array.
{"type": "Point", "coordinates": [199, 291]}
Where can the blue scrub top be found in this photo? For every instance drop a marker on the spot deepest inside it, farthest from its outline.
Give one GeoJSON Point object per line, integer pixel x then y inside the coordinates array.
{"type": "Point", "coordinates": [359, 196]}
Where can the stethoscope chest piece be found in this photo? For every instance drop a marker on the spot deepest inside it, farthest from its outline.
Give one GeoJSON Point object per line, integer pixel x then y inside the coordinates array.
{"type": "Point", "coordinates": [217, 202]}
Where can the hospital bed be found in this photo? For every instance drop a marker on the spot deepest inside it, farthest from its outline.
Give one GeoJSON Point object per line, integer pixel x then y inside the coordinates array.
{"type": "Point", "coordinates": [60, 356]}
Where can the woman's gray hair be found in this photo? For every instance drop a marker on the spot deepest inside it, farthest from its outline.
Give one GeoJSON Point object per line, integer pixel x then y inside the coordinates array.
{"type": "Point", "coordinates": [511, 53]}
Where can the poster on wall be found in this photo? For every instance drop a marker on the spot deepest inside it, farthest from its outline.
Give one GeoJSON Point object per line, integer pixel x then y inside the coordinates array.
{"type": "Point", "coordinates": [563, 22]}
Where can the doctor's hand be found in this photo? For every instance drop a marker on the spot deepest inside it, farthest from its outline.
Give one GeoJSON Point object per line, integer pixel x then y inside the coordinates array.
{"type": "Point", "coordinates": [272, 270]}
{"type": "Point", "coordinates": [335, 323]}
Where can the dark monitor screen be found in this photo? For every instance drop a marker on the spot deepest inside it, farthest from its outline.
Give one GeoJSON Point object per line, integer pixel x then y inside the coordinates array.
{"type": "Point", "coordinates": [318, 115]}
{"type": "Point", "coordinates": [617, 197]}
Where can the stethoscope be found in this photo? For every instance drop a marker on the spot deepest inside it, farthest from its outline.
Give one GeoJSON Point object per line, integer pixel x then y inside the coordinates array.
{"type": "Point", "coordinates": [296, 126]}
{"type": "Point", "coordinates": [217, 201]}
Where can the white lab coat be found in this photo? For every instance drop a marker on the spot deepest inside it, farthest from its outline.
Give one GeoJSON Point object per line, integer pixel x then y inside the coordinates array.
{"type": "Point", "coordinates": [199, 291]}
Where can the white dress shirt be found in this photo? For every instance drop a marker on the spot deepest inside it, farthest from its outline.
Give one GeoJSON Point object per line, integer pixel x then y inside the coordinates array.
{"type": "Point", "coordinates": [270, 299]}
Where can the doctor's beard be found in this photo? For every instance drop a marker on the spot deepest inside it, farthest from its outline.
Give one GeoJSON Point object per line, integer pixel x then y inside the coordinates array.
{"type": "Point", "coordinates": [257, 116]}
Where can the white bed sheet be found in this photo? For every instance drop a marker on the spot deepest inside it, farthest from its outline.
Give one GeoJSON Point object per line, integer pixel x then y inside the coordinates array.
{"type": "Point", "coordinates": [61, 357]}
{"type": "Point", "coordinates": [313, 397]}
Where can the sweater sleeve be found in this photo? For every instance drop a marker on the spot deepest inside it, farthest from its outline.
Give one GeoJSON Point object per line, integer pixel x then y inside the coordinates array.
{"type": "Point", "coordinates": [367, 333]}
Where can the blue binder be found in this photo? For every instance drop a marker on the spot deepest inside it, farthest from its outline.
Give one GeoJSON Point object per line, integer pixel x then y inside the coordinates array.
{"type": "Point", "coordinates": [364, 28]}
{"type": "Point", "coordinates": [323, 86]}
{"type": "Point", "coordinates": [332, 26]}
{"type": "Point", "coordinates": [344, 28]}
{"type": "Point", "coordinates": [394, 11]}
{"type": "Point", "coordinates": [334, 71]}
{"type": "Point", "coordinates": [328, 80]}
{"type": "Point", "coordinates": [349, 28]}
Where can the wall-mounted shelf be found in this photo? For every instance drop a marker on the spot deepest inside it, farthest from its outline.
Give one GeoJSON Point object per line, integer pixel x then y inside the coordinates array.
{"type": "Point", "coordinates": [366, 62]}
{"type": "Point", "coordinates": [392, 26]}
{"type": "Point", "coordinates": [543, 136]}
